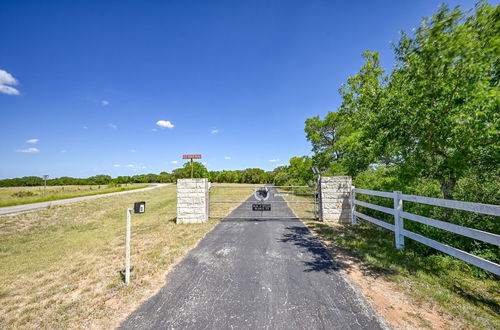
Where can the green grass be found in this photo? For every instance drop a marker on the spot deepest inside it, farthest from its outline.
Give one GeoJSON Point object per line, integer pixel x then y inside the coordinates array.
{"type": "Point", "coordinates": [456, 288]}
{"type": "Point", "coordinates": [25, 195]}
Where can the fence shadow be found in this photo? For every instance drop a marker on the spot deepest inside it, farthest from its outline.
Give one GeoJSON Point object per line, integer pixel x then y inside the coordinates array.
{"type": "Point", "coordinates": [321, 259]}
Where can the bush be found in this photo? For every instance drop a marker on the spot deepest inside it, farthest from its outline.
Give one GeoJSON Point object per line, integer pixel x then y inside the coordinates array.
{"type": "Point", "coordinates": [21, 194]}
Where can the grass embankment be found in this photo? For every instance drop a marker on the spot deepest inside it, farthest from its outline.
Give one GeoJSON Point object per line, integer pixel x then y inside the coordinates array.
{"type": "Point", "coordinates": [25, 195]}
{"type": "Point", "coordinates": [435, 281]}
{"type": "Point", "coordinates": [59, 267]}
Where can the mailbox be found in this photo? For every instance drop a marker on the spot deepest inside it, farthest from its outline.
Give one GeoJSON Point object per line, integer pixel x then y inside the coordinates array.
{"type": "Point", "coordinates": [139, 207]}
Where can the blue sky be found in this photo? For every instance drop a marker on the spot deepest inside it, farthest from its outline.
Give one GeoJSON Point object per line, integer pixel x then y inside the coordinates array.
{"type": "Point", "coordinates": [83, 84]}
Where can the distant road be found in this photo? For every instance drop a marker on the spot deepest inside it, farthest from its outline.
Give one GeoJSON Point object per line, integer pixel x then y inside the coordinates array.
{"type": "Point", "coordinates": [35, 206]}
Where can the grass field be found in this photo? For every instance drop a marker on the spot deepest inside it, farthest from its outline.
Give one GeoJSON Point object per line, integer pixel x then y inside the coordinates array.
{"type": "Point", "coordinates": [59, 267]}
{"type": "Point", "coordinates": [234, 195]}
{"type": "Point", "coordinates": [302, 210]}
{"type": "Point", "coordinates": [25, 195]}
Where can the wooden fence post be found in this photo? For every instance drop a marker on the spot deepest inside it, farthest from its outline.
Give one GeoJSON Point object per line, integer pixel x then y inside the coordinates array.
{"type": "Point", "coordinates": [353, 206]}
{"type": "Point", "coordinates": [398, 220]}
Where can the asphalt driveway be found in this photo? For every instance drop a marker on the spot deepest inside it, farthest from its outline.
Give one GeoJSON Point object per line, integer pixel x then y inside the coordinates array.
{"type": "Point", "coordinates": [256, 274]}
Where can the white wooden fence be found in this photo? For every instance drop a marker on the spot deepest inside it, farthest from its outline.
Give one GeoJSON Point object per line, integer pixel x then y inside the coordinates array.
{"type": "Point", "coordinates": [401, 232]}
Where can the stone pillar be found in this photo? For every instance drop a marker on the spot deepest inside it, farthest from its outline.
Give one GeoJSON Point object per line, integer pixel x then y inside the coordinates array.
{"type": "Point", "coordinates": [335, 199]}
{"type": "Point", "coordinates": [192, 200]}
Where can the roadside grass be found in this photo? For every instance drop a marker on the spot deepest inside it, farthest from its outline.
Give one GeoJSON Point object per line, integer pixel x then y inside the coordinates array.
{"type": "Point", "coordinates": [11, 196]}
{"type": "Point", "coordinates": [302, 210]}
{"type": "Point", "coordinates": [59, 267]}
{"type": "Point", "coordinates": [454, 287]}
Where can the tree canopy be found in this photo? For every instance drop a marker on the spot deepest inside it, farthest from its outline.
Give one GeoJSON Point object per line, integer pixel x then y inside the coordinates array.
{"type": "Point", "coordinates": [436, 115]}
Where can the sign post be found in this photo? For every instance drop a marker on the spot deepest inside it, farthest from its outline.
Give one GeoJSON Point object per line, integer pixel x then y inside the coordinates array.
{"type": "Point", "coordinates": [45, 177]}
{"type": "Point", "coordinates": [191, 157]}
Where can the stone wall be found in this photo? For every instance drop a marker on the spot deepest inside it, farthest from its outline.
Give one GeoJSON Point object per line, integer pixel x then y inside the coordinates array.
{"type": "Point", "coordinates": [335, 199]}
{"type": "Point", "coordinates": [192, 200]}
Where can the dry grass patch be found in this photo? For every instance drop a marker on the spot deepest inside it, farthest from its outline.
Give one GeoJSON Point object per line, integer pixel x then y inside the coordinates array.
{"type": "Point", "coordinates": [236, 194]}
{"type": "Point", "coordinates": [59, 267]}
{"type": "Point", "coordinates": [302, 210]}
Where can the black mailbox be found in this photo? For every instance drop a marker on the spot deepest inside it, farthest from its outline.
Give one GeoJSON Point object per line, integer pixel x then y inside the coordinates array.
{"type": "Point", "coordinates": [139, 207]}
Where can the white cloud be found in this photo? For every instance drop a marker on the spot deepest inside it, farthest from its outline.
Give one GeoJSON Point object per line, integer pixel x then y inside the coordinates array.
{"type": "Point", "coordinates": [275, 160]}
{"type": "Point", "coordinates": [134, 167]}
{"type": "Point", "coordinates": [227, 157]}
{"type": "Point", "coordinates": [133, 150]}
{"type": "Point", "coordinates": [165, 124]}
{"type": "Point", "coordinates": [112, 126]}
{"type": "Point", "coordinates": [33, 141]}
{"type": "Point", "coordinates": [29, 150]}
{"type": "Point", "coordinates": [175, 162]}
{"type": "Point", "coordinates": [85, 127]}
{"type": "Point", "coordinates": [214, 131]}
{"type": "Point", "coordinates": [204, 163]}
{"type": "Point", "coordinates": [131, 166]}
{"type": "Point", "coordinates": [7, 79]}
{"type": "Point", "coordinates": [104, 102]}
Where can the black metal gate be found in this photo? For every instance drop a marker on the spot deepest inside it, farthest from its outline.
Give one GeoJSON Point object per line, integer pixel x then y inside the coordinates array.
{"type": "Point", "coordinates": [238, 201]}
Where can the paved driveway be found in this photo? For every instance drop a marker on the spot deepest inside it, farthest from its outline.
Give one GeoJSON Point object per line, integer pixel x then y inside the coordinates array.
{"type": "Point", "coordinates": [256, 274]}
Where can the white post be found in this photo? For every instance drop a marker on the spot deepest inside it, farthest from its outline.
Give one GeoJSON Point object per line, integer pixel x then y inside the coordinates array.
{"type": "Point", "coordinates": [127, 246]}
{"type": "Point", "coordinates": [398, 221]}
{"type": "Point", "coordinates": [353, 206]}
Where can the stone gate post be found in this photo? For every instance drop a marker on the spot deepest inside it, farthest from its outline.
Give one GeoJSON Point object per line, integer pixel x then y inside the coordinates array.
{"type": "Point", "coordinates": [192, 200]}
{"type": "Point", "coordinates": [335, 199]}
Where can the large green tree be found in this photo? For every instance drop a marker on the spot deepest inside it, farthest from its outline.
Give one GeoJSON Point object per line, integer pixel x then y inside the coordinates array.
{"type": "Point", "coordinates": [435, 116]}
{"type": "Point", "coordinates": [441, 119]}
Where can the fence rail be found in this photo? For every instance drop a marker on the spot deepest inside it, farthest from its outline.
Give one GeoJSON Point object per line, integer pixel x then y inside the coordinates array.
{"type": "Point", "coordinates": [401, 232]}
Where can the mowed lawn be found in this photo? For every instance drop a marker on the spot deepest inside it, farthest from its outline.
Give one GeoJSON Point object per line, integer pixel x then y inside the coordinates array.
{"type": "Point", "coordinates": [10, 196]}
{"type": "Point", "coordinates": [59, 267]}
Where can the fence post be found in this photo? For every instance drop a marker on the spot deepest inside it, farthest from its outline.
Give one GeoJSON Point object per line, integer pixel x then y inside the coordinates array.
{"type": "Point", "coordinates": [353, 206]}
{"type": "Point", "coordinates": [398, 220]}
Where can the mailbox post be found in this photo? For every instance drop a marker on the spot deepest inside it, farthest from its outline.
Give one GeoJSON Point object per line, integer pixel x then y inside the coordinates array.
{"type": "Point", "coordinates": [127, 246]}
{"type": "Point", "coordinates": [139, 207]}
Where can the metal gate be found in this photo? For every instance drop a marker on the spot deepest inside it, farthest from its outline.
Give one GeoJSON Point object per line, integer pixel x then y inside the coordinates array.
{"type": "Point", "coordinates": [244, 202]}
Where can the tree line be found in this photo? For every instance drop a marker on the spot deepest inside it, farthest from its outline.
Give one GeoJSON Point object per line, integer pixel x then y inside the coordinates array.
{"type": "Point", "coordinates": [298, 173]}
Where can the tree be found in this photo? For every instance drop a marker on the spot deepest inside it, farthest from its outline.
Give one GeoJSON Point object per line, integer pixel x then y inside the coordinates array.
{"type": "Point", "coordinates": [323, 135]}
{"type": "Point", "coordinates": [442, 116]}
{"type": "Point", "coordinates": [199, 171]}
{"type": "Point", "coordinates": [436, 116]}
{"type": "Point", "coordinates": [300, 171]}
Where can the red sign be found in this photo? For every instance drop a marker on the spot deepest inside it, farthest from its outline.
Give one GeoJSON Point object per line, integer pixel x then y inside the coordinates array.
{"type": "Point", "coordinates": [191, 156]}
